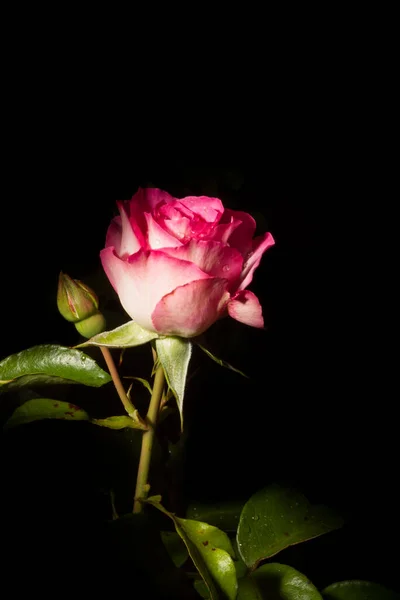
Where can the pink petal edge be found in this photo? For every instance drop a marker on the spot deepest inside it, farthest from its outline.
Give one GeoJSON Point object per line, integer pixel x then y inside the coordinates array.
{"type": "Point", "coordinates": [157, 237]}
{"type": "Point", "coordinates": [246, 308]}
{"type": "Point", "coordinates": [114, 233]}
{"type": "Point", "coordinates": [145, 278]}
{"type": "Point", "coordinates": [212, 257]}
{"type": "Point", "coordinates": [129, 243]}
{"type": "Point", "coordinates": [242, 236]}
{"type": "Point", "coordinates": [260, 245]}
{"type": "Point", "coordinates": [191, 309]}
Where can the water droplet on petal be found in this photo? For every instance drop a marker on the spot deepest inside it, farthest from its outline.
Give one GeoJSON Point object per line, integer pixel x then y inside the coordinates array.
{"type": "Point", "coordinates": [226, 268]}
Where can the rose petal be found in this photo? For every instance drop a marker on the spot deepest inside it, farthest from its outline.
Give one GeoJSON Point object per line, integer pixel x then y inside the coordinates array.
{"type": "Point", "coordinates": [146, 200]}
{"type": "Point", "coordinates": [157, 237]}
{"type": "Point", "coordinates": [223, 231]}
{"type": "Point", "coordinates": [114, 234]}
{"type": "Point", "coordinates": [184, 227]}
{"type": "Point", "coordinates": [129, 242]}
{"type": "Point", "coordinates": [184, 223]}
{"type": "Point", "coordinates": [260, 245]}
{"type": "Point", "coordinates": [242, 236]}
{"type": "Point", "coordinates": [209, 209]}
{"type": "Point", "coordinates": [179, 227]}
{"type": "Point", "coordinates": [149, 198]}
{"type": "Point", "coordinates": [144, 278]}
{"type": "Point", "coordinates": [191, 309]}
{"type": "Point", "coordinates": [211, 257]}
{"type": "Point", "coordinates": [246, 308]}
{"type": "Point", "coordinates": [174, 210]}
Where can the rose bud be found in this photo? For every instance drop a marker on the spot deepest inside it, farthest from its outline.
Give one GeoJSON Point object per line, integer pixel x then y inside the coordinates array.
{"type": "Point", "coordinates": [75, 300]}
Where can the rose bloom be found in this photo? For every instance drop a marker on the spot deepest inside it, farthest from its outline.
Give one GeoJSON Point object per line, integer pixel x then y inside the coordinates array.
{"type": "Point", "coordinates": [178, 265]}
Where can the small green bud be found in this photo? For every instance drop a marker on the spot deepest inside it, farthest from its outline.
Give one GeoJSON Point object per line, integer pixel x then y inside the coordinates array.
{"type": "Point", "coordinates": [91, 326]}
{"type": "Point", "coordinates": [75, 300]}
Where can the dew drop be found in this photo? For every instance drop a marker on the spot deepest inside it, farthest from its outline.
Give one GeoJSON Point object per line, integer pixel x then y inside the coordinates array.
{"type": "Point", "coordinates": [226, 268]}
{"type": "Point", "coordinates": [83, 357]}
{"type": "Point", "coordinates": [256, 518]}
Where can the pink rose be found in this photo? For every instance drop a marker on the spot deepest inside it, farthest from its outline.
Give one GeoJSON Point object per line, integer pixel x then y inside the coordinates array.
{"type": "Point", "coordinates": [179, 265]}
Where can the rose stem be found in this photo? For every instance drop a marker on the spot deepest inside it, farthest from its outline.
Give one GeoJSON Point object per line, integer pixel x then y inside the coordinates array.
{"type": "Point", "coordinates": [130, 409]}
{"type": "Point", "coordinates": [148, 438]}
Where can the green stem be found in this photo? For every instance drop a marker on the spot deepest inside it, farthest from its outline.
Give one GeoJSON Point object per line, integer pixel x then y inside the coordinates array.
{"type": "Point", "coordinates": [148, 439]}
{"type": "Point", "coordinates": [130, 409]}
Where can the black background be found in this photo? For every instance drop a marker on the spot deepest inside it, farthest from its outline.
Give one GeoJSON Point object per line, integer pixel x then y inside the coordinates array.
{"type": "Point", "coordinates": [318, 412]}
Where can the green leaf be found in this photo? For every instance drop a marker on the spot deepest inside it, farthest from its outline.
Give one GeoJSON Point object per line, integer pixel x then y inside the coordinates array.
{"type": "Point", "coordinates": [174, 354]}
{"type": "Point", "coordinates": [248, 590]}
{"type": "Point", "coordinates": [240, 566]}
{"type": "Point", "coordinates": [144, 382]}
{"type": "Point", "coordinates": [277, 582]}
{"type": "Point", "coordinates": [221, 362]}
{"type": "Point", "coordinates": [44, 408]}
{"type": "Point", "coordinates": [275, 518]}
{"type": "Point", "coordinates": [49, 364]}
{"type": "Point", "coordinates": [358, 590]}
{"type": "Point", "coordinates": [211, 551]}
{"type": "Point", "coordinates": [175, 547]}
{"type": "Point", "coordinates": [224, 515]}
{"type": "Point", "coordinates": [119, 422]}
{"type": "Point", "coordinates": [125, 336]}
{"type": "Point", "coordinates": [202, 589]}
